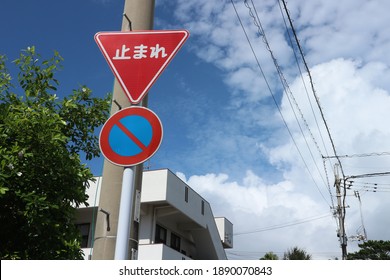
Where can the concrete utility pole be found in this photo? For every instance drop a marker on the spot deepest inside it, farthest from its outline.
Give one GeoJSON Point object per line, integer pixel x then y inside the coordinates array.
{"type": "Point", "coordinates": [340, 214]}
{"type": "Point", "coordinates": [141, 14]}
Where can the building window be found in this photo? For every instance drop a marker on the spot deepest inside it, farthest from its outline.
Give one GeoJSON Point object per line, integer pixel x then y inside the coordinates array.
{"type": "Point", "coordinates": [84, 231]}
{"type": "Point", "coordinates": [161, 235]}
{"type": "Point", "coordinates": [175, 242]}
{"type": "Point", "coordinates": [202, 208]}
{"type": "Point", "coordinates": [186, 194]}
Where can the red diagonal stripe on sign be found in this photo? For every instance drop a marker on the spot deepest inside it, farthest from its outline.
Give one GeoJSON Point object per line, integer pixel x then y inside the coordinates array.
{"type": "Point", "coordinates": [131, 136]}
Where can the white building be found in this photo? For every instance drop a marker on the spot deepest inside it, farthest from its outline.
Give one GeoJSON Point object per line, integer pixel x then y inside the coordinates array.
{"type": "Point", "coordinates": [175, 222]}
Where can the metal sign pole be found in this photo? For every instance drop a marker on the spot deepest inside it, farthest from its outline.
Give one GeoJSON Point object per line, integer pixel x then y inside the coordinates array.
{"type": "Point", "coordinates": [124, 219]}
{"type": "Point", "coordinates": [128, 138]}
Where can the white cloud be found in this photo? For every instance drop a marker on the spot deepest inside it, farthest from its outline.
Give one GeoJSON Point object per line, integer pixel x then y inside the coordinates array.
{"type": "Point", "coordinates": [353, 106]}
{"type": "Point", "coordinates": [352, 29]}
{"type": "Point", "coordinates": [274, 215]}
{"type": "Point", "coordinates": [349, 63]}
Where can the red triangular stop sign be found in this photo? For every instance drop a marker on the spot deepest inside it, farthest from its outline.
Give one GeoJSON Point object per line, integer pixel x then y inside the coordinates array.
{"type": "Point", "coordinates": [137, 58]}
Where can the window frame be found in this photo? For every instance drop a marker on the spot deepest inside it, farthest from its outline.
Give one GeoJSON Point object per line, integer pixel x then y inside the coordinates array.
{"type": "Point", "coordinates": [175, 242]}
{"type": "Point", "coordinates": [160, 235]}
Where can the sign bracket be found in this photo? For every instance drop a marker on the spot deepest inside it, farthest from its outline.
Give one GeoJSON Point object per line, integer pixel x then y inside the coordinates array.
{"type": "Point", "coordinates": [129, 21]}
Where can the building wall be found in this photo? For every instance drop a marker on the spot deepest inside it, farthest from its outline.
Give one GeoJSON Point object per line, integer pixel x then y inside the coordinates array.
{"type": "Point", "coordinates": [225, 229]}
{"type": "Point", "coordinates": [169, 204]}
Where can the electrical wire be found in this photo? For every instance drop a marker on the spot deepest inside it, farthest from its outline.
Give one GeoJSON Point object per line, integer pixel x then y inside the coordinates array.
{"type": "Point", "coordinates": [368, 187]}
{"type": "Point", "coordinates": [290, 95]}
{"type": "Point", "coordinates": [343, 208]}
{"type": "Point", "coordinates": [298, 222]}
{"type": "Point", "coordinates": [362, 155]}
{"type": "Point", "coordinates": [375, 184]}
{"type": "Point", "coordinates": [266, 81]}
{"type": "Point", "coordinates": [256, 255]}
{"type": "Point", "coordinates": [328, 182]}
{"type": "Point", "coordinates": [303, 82]}
{"type": "Point", "coordinates": [274, 98]}
{"type": "Point", "coordinates": [312, 86]}
{"type": "Point", "coordinates": [377, 174]}
{"type": "Point", "coordinates": [311, 106]}
{"type": "Point", "coordinates": [361, 216]}
{"type": "Point", "coordinates": [373, 191]}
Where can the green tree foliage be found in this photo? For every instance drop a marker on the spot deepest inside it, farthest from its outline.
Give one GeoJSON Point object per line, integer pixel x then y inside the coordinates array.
{"type": "Point", "coordinates": [270, 256]}
{"type": "Point", "coordinates": [42, 177]}
{"type": "Point", "coordinates": [372, 250]}
{"type": "Point", "coordinates": [296, 253]}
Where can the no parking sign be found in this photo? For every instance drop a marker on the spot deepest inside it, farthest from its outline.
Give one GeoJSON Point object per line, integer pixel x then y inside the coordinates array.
{"type": "Point", "coordinates": [131, 136]}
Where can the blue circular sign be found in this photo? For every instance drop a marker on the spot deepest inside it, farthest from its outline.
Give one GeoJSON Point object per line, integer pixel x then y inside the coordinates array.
{"type": "Point", "coordinates": [131, 136]}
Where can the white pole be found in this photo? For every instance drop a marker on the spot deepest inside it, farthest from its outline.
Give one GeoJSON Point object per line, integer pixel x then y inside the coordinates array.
{"type": "Point", "coordinates": [124, 219]}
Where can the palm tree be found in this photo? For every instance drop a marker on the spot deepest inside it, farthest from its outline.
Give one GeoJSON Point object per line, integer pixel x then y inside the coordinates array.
{"type": "Point", "coordinates": [296, 254]}
{"type": "Point", "coordinates": [270, 256]}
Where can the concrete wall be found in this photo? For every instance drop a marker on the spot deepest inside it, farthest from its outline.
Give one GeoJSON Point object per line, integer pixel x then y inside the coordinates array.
{"type": "Point", "coordinates": [168, 202]}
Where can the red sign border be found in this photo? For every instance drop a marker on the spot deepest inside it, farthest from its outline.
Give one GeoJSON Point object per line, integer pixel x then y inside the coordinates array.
{"type": "Point", "coordinates": [116, 74]}
{"type": "Point", "coordinates": [154, 145]}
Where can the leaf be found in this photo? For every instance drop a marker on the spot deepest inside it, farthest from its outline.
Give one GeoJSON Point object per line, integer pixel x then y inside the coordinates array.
{"type": "Point", "coordinates": [36, 211]}
{"type": "Point", "coordinates": [3, 190]}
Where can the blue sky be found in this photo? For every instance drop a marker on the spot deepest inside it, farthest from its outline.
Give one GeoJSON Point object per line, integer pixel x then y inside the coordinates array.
{"type": "Point", "coordinates": [223, 133]}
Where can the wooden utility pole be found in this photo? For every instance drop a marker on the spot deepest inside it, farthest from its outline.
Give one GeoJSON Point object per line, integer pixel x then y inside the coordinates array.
{"type": "Point", "coordinates": [138, 15]}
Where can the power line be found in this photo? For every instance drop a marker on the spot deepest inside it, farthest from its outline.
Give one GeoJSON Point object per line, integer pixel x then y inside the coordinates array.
{"type": "Point", "coordinates": [256, 255]}
{"type": "Point", "coordinates": [289, 93]}
{"type": "Point", "coordinates": [374, 190]}
{"type": "Point", "coordinates": [368, 175]}
{"type": "Point", "coordinates": [370, 189]}
{"type": "Point", "coordinates": [328, 182]}
{"type": "Point", "coordinates": [298, 222]}
{"type": "Point", "coordinates": [362, 236]}
{"type": "Point", "coordinates": [368, 186]}
{"type": "Point", "coordinates": [261, 32]}
{"type": "Point", "coordinates": [312, 85]}
{"type": "Point", "coordinates": [283, 80]}
{"type": "Point", "coordinates": [311, 106]}
{"type": "Point", "coordinates": [375, 184]}
{"type": "Point", "coordinates": [362, 155]}
{"type": "Point", "coordinates": [341, 207]}
{"type": "Point", "coordinates": [270, 90]}
{"type": "Point", "coordinates": [303, 81]}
